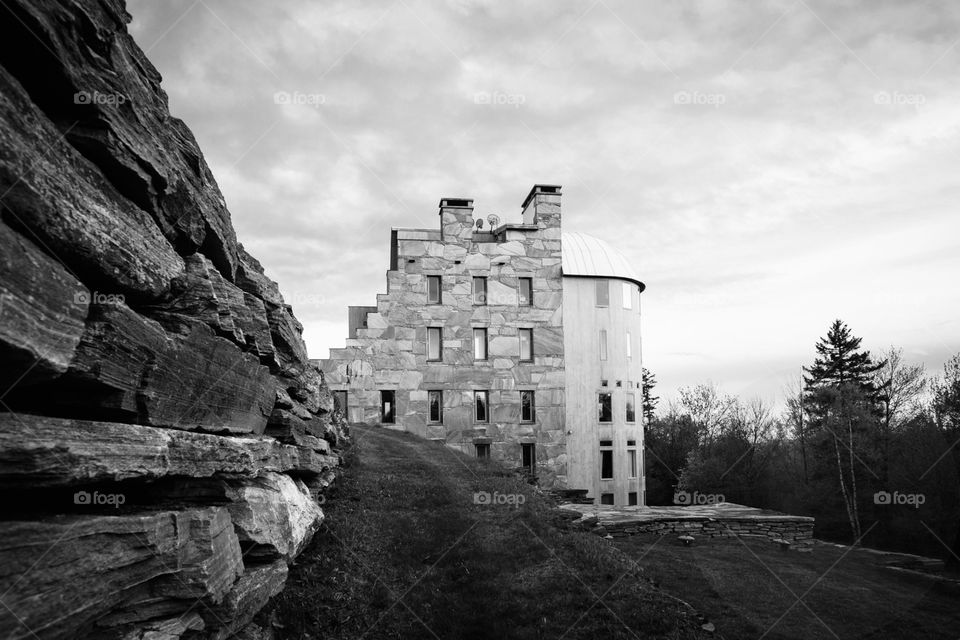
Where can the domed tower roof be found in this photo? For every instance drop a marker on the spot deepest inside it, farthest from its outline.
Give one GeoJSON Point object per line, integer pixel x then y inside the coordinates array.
{"type": "Point", "coordinates": [585, 255]}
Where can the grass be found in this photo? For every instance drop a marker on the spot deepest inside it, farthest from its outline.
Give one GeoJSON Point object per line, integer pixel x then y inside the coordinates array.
{"type": "Point", "coordinates": [750, 589]}
{"type": "Point", "coordinates": [405, 552]}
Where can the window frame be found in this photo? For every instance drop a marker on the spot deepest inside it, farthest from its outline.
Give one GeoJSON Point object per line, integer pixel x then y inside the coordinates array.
{"type": "Point", "coordinates": [606, 461]}
{"type": "Point", "coordinates": [602, 285]}
{"type": "Point", "coordinates": [439, 298]}
{"type": "Point", "coordinates": [431, 393]}
{"type": "Point", "coordinates": [626, 290]}
{"type": "Point", "coordinates": [630, 407]}
{"type": "Point", "coordinates": [632, 467]}
{"type": "Point", "coordinates": [528, 457]}
{"type": "Point", "coordinates": [600, 407]}
{"type": "Point", "coordinates": [393, 406]}
{"type": "Point", "coordinates": [533, 406]}
{"type": "Point", "coordinates": [520, 283]}
{"type": "Point", "coordinates": [521, 332]}
{"type": "Point", "coordinates": [603, 345]}
{"type": "Point", "coordinates": [486, 344]}
{"type": "Point", "coordinates": [485, 394]}
{"type": "Point", "coordinates": [438, 331]}
{"type": "Point", "coordinates": [482, 450]}
{"type": "Point", "coordinates": [479, 295]}
{"type": "Point", "coordinates": [629, 346]}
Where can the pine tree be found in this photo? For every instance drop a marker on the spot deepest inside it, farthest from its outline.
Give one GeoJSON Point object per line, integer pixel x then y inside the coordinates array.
{"type": "Point", "coordinates": [649, 400]}
{"type": "Point", "coordinates": [843, 404]}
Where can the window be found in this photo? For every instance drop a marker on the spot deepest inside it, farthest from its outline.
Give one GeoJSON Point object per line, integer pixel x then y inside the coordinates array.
{"type": "Point", "coordinates": [526, 345]}
{"type": "Point", "coordinates": [528, 457]}
{"type": "Point", "coordinates": [481, 408]}
{"type": "Point", "coordinates": [627, 290]}
{"type": "Point", "coordinates": [479, 290]}
{"type": "Point", "coordinates": [632, 499]}
{"type": "Point", "coordinates": [479, 344]}
{"type": "Point", "coordinates": [606, 412]}
{"type": "Point", "coordinates": [388, 407]}
{"type": "Point", "coordinates": [631, 407]}
{"type": "Point", "coordinates": [528, 410]}
{"type": "Point", "coordinates": [483, 451]}
{"type": "Point", "coordinates": [340, 402]}
{"type": "Point", "coordinates": [434, 290]}
{"type": "Point", "coordinates": [526, 291]}
{"type": "Point", "coordinates": [603, 344]}
{"type": "Point", "coordinates": [434, 344]}
{"type": "Point", "coordinates": [606, 498]}
{"type": "Point", "coordinates": [629, 346]}
{"type": "Point", "coordinates": [632, 458]}
{"type": "Point", "coordinates": [606, 464]}
{"type": "Point", "coordinates": [603, 293]}
{"type": "Point", "coordinates": [435, 402]}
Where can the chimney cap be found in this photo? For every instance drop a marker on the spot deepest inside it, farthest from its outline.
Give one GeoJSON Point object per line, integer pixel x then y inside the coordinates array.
{"type": "Point", "coordinates": [461, 203]}
{"type": "Point", "coordinates": [552, 189]}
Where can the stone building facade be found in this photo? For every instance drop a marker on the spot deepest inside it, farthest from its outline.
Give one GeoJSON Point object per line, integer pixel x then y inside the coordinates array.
{"type": "Point", "coordinates": [467, 346]}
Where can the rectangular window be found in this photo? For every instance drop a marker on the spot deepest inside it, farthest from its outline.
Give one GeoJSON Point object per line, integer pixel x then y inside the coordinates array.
{"type": "Point", "coordinates": [603, 293]}
{"type": "Point", "coordinates": [479, 344]}
{"type": "Point", "coordinates": [528, 457]}
{"type": "Point", "coordinates": [483, 451]}
{"type": "Point", "coordinates": [528, 410]}
{"type": "Point", "coordinates": [526, 345]}
{"type": "Point", "coordinates": [434, 290]}
{"type": "Point", "coordinates": [606, 464]}
{"type": "Point", "coordinates": [605, 407]}
{"type": "Point", "coordinates": [629, 346]}
{"type": "Point", "coordinates": [479, 290]}
{"type": "Point", "coordinates": [340, 402]}
{"type": "Point", "coordinates": [603, 344]}
{"type": "Point", "coordinates": [526, 291]}
{"type": "Point", "coordinates": [434, 344]}
{"type": "Point", "coordinates": [627, 290]}
{"type": "Point", "coordinates": [631, 408]}
{"type": "Point", "coordinates": [481, 406]}
{"type": "Point", "coordinates": [435, 402]}
{"type": "Point", "coordinates": [388, 407]}
{"type": "Point", "coordinates": [632, 499]}
{"type": "Point", "coordinates": [632, 455]}
{"type": "Point", "coordinates": [606, 498]}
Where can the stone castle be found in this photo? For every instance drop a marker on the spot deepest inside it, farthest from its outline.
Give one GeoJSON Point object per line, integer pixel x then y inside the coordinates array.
{"type": "Point", "coordinates": [518, 342]}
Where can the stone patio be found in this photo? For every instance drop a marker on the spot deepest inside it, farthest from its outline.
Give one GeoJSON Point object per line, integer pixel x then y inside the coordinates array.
{"type": "Point", "coordinates": [724, 519]}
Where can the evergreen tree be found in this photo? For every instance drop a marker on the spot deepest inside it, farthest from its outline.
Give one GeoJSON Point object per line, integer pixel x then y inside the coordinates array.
{"type": "Point", "coordinates": [840, 363]}
{"type": "Point", "coordinates": [649, 400]}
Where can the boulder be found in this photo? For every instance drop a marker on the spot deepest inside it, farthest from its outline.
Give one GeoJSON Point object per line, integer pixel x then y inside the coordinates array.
{"type": "Point", "coordinates": [250, 593]}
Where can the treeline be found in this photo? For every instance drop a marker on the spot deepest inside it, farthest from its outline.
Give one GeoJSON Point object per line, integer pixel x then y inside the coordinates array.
{"type": "Point", "coordinates": [869, 446]}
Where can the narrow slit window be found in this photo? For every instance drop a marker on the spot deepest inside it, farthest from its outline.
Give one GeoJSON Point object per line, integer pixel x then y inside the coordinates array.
{"type": "Point", "coordinates": [632, 460]}
{"type": "Point", "coordinates": [627, 290]}
{"type": "Point", "coordinates": [435, 401]}
{"type": "Point", "coordinates": [481, 406]}
{"type": "Point", "coordinates": [526, 345]}
{"type": "Point", "coordinates": [606, 464]}
{"type": "Point", "coordinates": [605, 406]}
{"type": "Point", "coordinates": [631, 408]}
{"type": "Point", "coordinates": [603, 344]}
{"type": "Point", "coordinates": [526, 291]}
{"type": "Point", "coordinates": [434, 290]}
{"type": "Point", "coordinates": [434, 344]}
{"type": "Point", "coordinates": [479, 344]}
{"type": "Point", "coordinates": [340, 402]}
{"type": "Point", "coordinates": [479, 290]}
{"type": "Point", "coordinates": [603, 293]}
{"type": "Point", "coordinates": [629, 346]}
{"type": "Point", "coordinates": [388, 409]}
{"type": "Point", "coordinates": [528, 409]}
{"type": "Point", "coordinates": [528, 457]}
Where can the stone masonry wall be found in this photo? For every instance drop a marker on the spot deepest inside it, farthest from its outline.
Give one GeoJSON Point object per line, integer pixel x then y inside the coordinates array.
{"type": "Point", "coordinates": [790, 528]}
{"type": "Point", "coordinates": [390, 353]}
{"type": "Point", "coordinates": [163, 437]}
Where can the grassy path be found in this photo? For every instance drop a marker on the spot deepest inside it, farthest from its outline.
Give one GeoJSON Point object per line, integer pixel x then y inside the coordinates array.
{"type": "Point", "coordinates": [407, 553]}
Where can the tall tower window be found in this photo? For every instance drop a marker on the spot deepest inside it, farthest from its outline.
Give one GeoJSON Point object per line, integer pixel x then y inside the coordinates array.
{"type": "Point", "coordinates": [479, 344]}
{"type": "Point", "coordinates": [479, 290]}
{"type": "Point", "coordinates": [526, 291]}
{"type": "Point", "coordinates": [528, 457]}
{"type": "Point", "coordinates": [526, 345]}
{"type": "Point", "coordinates": [603, 293]}
{"type": "Point", "coordinates": [606, 460]}
{"type": "Point", "coordinates": [434, 344]}
{"type": "Point", "coordinates": [528, 410]}
{"type": "Point", "coordinates": [629, 346]}
{"type": "Point", "coordinates": [627, 290]}
{"type": "Point", "coordinates": [434, 290]}
{"type": "Point", "coordinates": [603, 344]}
{"type": "Point", "coordinates": [388, 407]}
{"type": "Point", "coordinates": [481, 406]}
{"type": "Point", "coordinates": [435, 402]}
{"type": "Point", "coordinates": [631, 408]}
{"type": "Point", "coordinates": [605, 407]}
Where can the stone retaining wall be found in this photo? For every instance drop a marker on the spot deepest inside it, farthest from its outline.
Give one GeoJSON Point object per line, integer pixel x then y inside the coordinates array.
{"type": "Point", "coordinates": [787, 528]}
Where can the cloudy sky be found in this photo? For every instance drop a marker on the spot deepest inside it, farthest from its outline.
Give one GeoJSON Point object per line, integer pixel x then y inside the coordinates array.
{"type": "Point", "coordinates": [768, 166]}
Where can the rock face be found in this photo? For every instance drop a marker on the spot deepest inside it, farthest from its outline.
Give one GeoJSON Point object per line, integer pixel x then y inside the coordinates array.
{"type": "Point", "coordinates": [163, 438]}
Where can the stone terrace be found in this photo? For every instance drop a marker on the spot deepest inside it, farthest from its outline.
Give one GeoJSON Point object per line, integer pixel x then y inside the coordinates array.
{"type": "Point", "coordinates": [712, 521]}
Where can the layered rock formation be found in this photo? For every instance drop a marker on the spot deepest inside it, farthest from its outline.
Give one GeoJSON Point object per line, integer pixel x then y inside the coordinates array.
{"type": "Point", "coordinates": [163, 437]}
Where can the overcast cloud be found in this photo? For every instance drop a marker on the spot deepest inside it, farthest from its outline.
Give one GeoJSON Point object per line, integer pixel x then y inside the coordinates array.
{"type": "Point", "coordinates": [768, 166]}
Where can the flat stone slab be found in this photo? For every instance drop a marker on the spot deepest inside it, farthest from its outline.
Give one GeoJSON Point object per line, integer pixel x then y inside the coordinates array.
{"type": "Point", "coordinates": [609, 514]}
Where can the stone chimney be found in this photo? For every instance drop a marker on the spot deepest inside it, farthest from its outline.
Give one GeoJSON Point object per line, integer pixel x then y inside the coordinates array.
{"type": "Point", "coordinates": [542, 206]}
{"type": "Point", "coordinates": [456, 220]}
